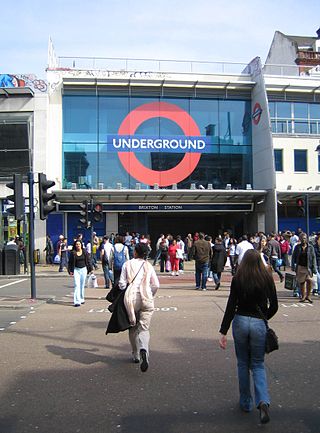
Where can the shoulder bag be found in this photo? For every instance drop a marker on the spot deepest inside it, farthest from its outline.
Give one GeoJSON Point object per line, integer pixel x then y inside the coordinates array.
{"type": "Point", "coordinates": [272, 342]}
{"type": "Point", "coordinates": [115, 291]}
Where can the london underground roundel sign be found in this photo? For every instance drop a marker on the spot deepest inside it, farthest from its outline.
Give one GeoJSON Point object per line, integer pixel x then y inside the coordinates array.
{"type": "Point", "coordinates": [131, 163]}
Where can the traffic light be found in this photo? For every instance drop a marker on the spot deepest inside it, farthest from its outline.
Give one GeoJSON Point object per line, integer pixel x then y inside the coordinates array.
{"type": "Point", "coordinates": [45, 197]}
{"type": "Point", "coordinates": [97, 212]}
{"type": "Point", "coordinates": [17, 197]}
{"type": "Point", "coordinates": [300, 207]}
{"type": "Point", "coordinates": [84, 206]}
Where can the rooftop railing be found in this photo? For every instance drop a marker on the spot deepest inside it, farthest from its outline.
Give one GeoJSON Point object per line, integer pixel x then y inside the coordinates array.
{"type": "Point", "coordinates": [180, 66]}
{"type": "Point", "coordinates": [150, 65]}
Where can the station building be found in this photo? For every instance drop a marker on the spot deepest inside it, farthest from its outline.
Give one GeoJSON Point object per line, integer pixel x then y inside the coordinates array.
{"type": "Point", "coordinates": [170, 146]}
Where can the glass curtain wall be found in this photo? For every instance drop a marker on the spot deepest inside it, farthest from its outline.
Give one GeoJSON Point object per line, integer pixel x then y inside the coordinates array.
{"type": "Point", "coordinates": [89, 120]}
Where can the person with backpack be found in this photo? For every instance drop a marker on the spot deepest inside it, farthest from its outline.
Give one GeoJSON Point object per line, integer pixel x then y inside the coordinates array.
{"type": "Point", "coordinates": [118, 257]}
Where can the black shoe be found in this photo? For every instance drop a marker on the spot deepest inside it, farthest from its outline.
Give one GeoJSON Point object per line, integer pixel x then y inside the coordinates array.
{"type": "Point", "coordinates": [76, 305]}
{"type": "Point", "coordinates": [264, 413]}
{"type": "Point", "coordinates": [309, 300]}
{"type": "Point", "coordinates": [217, 286]}
{"type": "Point", "coordinates": [281, 279]}
{"type": "Point", "coordinates": [144, 360]}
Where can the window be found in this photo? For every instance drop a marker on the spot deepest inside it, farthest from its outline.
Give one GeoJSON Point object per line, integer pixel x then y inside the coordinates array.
{"type": "Point", "coordinates": [294, 117]}
{"type": "Point", "coordinates": [300, 160]}
{"type": "Point", "coordinates": [278, 159]}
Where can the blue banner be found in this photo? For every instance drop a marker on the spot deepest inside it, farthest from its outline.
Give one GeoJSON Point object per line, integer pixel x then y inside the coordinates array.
{"type": "Point", "coordinates": [171, 144]}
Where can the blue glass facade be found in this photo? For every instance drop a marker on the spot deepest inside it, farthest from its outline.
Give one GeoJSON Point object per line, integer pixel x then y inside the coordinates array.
{"type": "Point", "coordinates": [89, 119]}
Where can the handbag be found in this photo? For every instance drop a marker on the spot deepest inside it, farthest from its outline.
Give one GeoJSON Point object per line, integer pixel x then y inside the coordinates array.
{"type": "Point", "coordinates": [92, 281]}
{"type": "Point", "coordinates": [272, 341]}
{"type": "Point", "coordinates": [179, 253]}
{"type": "Point", "coordinates": [56, 259]}
{"type": "Point", "coordinates": [115, 291]}
{"type": "Point", "coordinates": [289, 281]}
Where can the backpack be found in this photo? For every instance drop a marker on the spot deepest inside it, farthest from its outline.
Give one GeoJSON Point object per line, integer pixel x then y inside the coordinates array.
{"type": "Point", "coordinates": [119, 259]}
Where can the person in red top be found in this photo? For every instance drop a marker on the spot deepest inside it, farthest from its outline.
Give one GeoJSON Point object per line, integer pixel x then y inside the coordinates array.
{"type": "Point", "coordinates": [173, 257]}
{"type": "Point", "coordinates": [285, 247]}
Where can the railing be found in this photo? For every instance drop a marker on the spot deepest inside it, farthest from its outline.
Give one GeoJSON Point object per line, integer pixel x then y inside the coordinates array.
{"type": "Point", "coordinates": [150, 65]}
{"type": "Point", "coordinates": [309, 55]}
{"type": "Point", "coordinates": [183, 66]}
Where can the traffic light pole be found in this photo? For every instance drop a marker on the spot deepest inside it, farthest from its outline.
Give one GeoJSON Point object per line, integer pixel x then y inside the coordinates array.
{"type": "Point", "coordinates": [307, 214]}
{"type": "Point", "coordinates": [91, 225]}
{"type": "Point", "coordinates": [31, 236]}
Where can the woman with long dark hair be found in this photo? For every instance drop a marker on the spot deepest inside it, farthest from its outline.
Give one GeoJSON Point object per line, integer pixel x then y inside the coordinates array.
{"type": "Point", "coordinates": [79, 266]}
{"type": "Point", "coordinates": [252, 288]}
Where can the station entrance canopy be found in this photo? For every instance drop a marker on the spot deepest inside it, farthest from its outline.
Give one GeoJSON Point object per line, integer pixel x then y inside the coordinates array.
{"type": "Point", "coordinates": [163, 200]}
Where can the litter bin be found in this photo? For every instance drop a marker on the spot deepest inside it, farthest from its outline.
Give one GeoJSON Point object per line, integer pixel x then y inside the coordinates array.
{"type": "Point", "coordinates": [36, 256]}
{"type": "Point", "coordinates": [11, 260]}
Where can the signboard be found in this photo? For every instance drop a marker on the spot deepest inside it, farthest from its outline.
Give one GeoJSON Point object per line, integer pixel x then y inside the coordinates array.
{"type": "Point", "coordinates": [150, 207]}
{"type": "Point", "coordinates": [144, 174]}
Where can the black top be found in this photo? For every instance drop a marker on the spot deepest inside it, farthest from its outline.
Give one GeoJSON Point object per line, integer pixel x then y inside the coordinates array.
{"type": "Point", "coordinates": [80, 261]}
{"type": "Point", "coordinates": [239, 304]}
{"type": "Point", "coordinates": [76, 261]}
{"type": "Point", "coordinates": [303, 258]}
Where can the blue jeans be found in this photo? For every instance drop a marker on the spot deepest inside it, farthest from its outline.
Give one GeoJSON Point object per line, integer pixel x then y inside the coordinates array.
{"type": "Point", "coordinates": [79, 277]}
{"type": "Point", "coordinates": [201, 271]}
{"type": "Point", "coordinates": [275, 267]}
{"type": "Point", "coordinates": [63, 261]}
{"type": "Point", "coordinates": [249, 334]}
{"type": "Point", "coordinates": [157, 257]}
{"type": "Point", "coordinates": [105, 267]}
{"type": "Point", "coordinates": [216, 277]}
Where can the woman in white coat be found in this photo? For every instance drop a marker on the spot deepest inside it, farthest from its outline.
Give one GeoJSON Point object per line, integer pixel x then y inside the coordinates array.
{"type": "Point", "coordinates": [141, 283]}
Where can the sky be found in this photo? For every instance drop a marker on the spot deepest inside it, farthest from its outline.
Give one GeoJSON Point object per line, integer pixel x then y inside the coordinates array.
{"type": "Point", "coordinates": [199, 30]}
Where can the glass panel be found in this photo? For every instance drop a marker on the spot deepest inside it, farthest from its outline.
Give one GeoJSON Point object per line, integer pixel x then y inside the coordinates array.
{"type": "Point", "coordinates": [319, 163]}
{"type": "Point", "coordinates": [300, 160]}
{"type": "Point", "coordinates": [282, 126]}
{"type": "Point", "coordinates": [278, 153]}
{"type": "Point", "coordinates": [273, 126]}
{"type": "Point", "coordinates": [14, 136]}
{"type": "Point", "coordinates": [284, 110]}
{"type": "Point", "coordinates": [301, 127]}
{"type": "Point", "coordinates": [272, 109]}
{"type": "Point", "coordinates": [300, 110]}
{"type": "Point", "coordinates": [14, 162]}
{"type": "Point", "coordinates": [314, 111]}
{"type": "Point", "coordinates": [314, 127]}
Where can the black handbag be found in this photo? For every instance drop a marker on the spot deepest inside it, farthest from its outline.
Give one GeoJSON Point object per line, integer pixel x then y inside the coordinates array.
{"type": "Point", "coordinates": [272, 341]}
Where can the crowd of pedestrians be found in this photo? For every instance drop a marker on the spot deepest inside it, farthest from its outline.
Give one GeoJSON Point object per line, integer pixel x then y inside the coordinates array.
{"type": "Point", "coordinates": [252, 299]}
{"type": "Point", "coordinates": [210, 255]}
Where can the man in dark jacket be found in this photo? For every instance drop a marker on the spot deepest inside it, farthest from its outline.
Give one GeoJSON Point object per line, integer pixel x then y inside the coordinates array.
{"type": "Point", "coordinates": [275, 255]}
{"type": "Point", "coordinates": [305, 265]}
{"type": "Point", "coordinates": [202, 253]}
{"type": "Point", "coordinates": [219, 258]}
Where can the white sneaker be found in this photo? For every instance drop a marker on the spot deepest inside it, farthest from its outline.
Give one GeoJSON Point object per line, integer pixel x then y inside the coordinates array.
{"type": "Point", "coordinates": [210, 279]}
{"type": "Point", "coordinates": [172, 273]}
{"type": "Point", "coordinates": [177, 274]}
